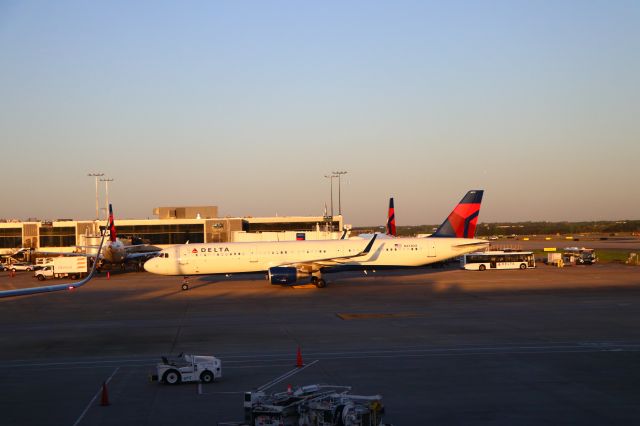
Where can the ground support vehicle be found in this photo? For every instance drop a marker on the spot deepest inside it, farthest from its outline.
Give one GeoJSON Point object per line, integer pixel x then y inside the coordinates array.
{"type": "Point", "coordinates": [481, 261]}
{"type": "Point", "coordinates": [554, 259]}
{"type": "Point", "coordinates": [322, 405]}
{"type": "Point", "coordinates": [188, 368]}
{"type": "Point", "coordinates": [61, 267]}
{"type": "Point", "coordinates": [579, 256]}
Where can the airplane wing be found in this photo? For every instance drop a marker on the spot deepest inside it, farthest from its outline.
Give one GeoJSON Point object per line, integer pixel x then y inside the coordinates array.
{"type": "Point", "coordinates": [479, 244]}
{"type": "Point", "coordinates": [141, 251]}
{"type": "Point", "coordinates": [142, 254]}
{"type": "Point", "coordinates": [129, 246]}
{"type": "Point", "coordinates": [68, 253]}
{"type": "Point", "coordinates": [316, 264]}
{"type": "Point", "coordinates": [52, 288]}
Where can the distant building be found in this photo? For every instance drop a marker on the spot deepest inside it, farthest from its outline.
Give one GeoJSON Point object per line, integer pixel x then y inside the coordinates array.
{"type": "Point", "coordinates": [175, 225]}
{"type": "Point", "coordinates": [202, 212]}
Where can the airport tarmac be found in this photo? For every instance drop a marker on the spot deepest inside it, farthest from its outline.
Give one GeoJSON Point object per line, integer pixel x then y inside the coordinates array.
{"type": "Point", "coordinates": [443, 346]}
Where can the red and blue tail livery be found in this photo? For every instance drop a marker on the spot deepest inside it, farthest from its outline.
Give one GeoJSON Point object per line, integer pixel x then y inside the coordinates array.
{"type": "Point", "coordinates": [391, 220]}
{"type": "Point", "coordinates": [462, 221]}
{"type": "Point", "coordinates": [113, 234]}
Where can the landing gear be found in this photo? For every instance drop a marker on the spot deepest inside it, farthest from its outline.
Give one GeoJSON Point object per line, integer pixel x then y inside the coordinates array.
{"type": "Point", "coordinates": [185, 283]}
{"type": "Point", "coordinates": [318, 281]}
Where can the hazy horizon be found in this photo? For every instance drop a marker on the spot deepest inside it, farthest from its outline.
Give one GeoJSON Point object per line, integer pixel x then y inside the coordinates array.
{"type": "Point", "coordinates": [247, 105]}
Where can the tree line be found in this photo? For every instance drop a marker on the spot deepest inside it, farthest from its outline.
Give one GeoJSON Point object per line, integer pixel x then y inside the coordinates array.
{"type": "Point", "coordinates": [525, 228]}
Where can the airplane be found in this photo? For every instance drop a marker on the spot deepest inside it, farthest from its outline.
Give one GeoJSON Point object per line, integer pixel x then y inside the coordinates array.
{"type": "Point", "coordinates": [116, 252]}
{"type": "Point", "coordinates": [288, 262]}
{"type": "Point", "coordinates": [56, 287]}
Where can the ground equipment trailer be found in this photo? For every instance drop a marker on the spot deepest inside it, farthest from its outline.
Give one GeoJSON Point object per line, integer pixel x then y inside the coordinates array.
{"type": "Point", "coordinates": [321, 405]}
{"type": "Point", "coordinates": [188, 368]}
{"type": "Point", "coordinates": [579, 256]}
{"type": "Point", "coordinates": [62, 267]}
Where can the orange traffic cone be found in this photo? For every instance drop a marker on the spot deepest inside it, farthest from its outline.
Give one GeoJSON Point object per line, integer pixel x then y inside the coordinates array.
{"type": "Point", "coordinates": [105, 395]}
{"type": "Point", "coordinates": [299, 362]}
{"type": "Point", "coordinates": [108, 275]}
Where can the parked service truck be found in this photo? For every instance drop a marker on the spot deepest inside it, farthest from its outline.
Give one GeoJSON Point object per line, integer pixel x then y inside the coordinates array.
{"type": "Point", "coordinates": [61, 267]}
{"type": "Point", "coordinates": [188, 368]}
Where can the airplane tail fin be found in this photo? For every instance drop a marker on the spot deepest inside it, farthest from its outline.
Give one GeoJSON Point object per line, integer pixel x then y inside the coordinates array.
{"type": "Point", "coordinates": [113, 234]}
{"type": "Point", "coordinates": [391, 219]}
{"type": "Point", "coordinates": [462, 221]}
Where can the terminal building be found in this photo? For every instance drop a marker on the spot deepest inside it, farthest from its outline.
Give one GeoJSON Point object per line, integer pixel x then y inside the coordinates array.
{"type": "Point", "coordinates": [174, 225]}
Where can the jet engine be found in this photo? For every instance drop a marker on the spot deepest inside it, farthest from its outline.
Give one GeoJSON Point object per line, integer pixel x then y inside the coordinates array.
{"type": "Point", "coordinates": [284, 275]}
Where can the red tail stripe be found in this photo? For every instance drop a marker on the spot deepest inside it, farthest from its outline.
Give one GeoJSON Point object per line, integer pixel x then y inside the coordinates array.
{"type": "Point", "coordinates": [459, 215]}
{"type": "Point", "coordinates": [113, 234]}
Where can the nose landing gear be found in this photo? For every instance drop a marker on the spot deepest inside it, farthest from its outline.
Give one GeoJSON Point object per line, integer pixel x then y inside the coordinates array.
{"type": "Point", "coordinates": [185, 283]}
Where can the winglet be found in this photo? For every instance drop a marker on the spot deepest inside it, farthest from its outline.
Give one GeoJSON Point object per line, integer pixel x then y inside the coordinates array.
{"type": "Point", "coordinates": [367, 249]}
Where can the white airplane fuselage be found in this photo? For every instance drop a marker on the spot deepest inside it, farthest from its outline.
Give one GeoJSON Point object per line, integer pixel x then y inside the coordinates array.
{"type": "Point", "coordinates": [229, 258]}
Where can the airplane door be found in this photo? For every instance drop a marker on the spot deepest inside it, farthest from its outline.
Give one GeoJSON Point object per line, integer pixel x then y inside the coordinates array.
{"type": "Point", "coordinates": [253, 257]}
{"type": "Point", "coordinates": [431, 250]}
{"type": "Point", "coordinates": [183, 259]}
{"type": "Point", "coordinates": [190, 267]}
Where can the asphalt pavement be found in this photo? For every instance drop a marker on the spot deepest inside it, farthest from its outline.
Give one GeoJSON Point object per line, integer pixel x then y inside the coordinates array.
{"type": "Point", "coordinates": [442, 346]}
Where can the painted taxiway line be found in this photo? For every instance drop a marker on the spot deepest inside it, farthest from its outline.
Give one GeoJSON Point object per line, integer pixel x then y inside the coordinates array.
{"type": "Point", "coordinates": [268, 359]}
{"type": "Point", "coordinates": [95, 397]}
{"type": "Point", "coordinates": [238, 357]}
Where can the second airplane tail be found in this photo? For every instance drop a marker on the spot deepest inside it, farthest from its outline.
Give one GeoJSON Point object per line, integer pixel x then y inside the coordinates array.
{"type": "Point", "coordinates": [113, 234]}
{"type": "Point", "coordinates": [462, 221]}
{"type": "Point", "coordinates": [391, 219]}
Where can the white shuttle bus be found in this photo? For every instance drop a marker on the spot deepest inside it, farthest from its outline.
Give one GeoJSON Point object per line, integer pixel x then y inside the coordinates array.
{"type": "Point", "coordinates": [480, 261]}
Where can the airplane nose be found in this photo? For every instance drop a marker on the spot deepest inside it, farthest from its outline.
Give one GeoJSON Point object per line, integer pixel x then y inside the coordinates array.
{"type": "Point", "coordinates": [150, 264]}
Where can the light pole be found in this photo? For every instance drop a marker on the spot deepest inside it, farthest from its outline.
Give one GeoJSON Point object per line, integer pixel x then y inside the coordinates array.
{"type": "Point", "coordinates": [339, 175]}
{"type": "Point", "coordinates": [106, 191]}
{"type": "Point", "coordinates": [96, 175]}
{"type": "Point", "coordinates": [331, 178]}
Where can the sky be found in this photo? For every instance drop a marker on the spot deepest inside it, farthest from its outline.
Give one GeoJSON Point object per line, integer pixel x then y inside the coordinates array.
{"type": "Point", "coordinates": [247, 105]}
